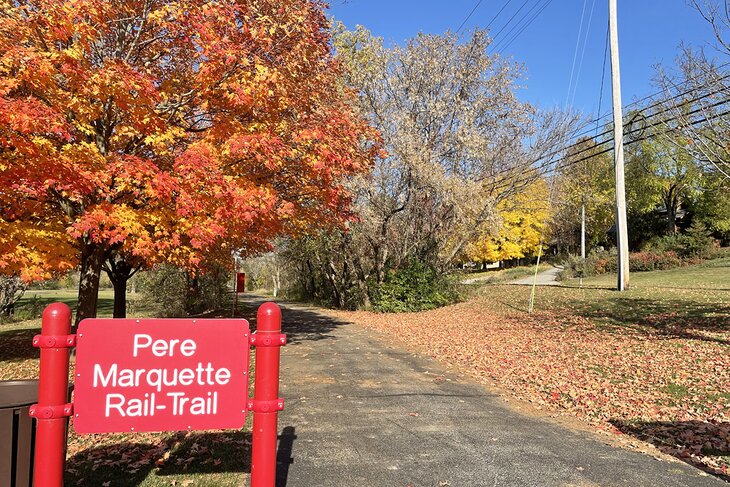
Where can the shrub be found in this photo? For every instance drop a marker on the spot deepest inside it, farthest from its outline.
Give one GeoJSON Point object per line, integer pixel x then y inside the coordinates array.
{"type": "Point", "coordinates": [652, 261]}
{"type": "Point", "coordinates": [698, 241]}
{"type": "Point", "coordinates": [11, 290]}
{"type": "Point", "coordinates": [173, 292]}
{"type": "Point", "coordinates": [417, 287]}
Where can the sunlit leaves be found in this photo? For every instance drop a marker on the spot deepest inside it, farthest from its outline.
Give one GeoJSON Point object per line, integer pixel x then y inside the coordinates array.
{"type": "Point", "coordinates": [521, 227]}
{"type": "Point", "coordinates": [165, 130]}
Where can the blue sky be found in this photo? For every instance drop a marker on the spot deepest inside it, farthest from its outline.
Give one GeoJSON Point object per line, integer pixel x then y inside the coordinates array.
{"type": "Point", "coordinates": [650, 32]}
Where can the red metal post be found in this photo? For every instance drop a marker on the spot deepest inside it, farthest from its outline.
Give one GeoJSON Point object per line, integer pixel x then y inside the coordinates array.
{"type": "Point", "coordinates": [50, 447]}
{"type": "Point", "coordinates": [266, 403]}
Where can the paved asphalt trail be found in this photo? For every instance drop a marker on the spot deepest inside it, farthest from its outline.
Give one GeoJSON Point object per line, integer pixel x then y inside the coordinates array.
{"type": "Point", "coordinates": [544, 278]}
{"type": "Point", "coordinates": [362, 413]}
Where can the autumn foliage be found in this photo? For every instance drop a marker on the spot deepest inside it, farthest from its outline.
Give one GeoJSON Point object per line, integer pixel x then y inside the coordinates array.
{"type": "Point", "coordinates": [167, 131]}
{"type": "Point", "coordinates": [523, 219]}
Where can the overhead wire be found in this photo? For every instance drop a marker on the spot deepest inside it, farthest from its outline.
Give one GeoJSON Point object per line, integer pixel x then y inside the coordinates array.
{"type": "Point", "coordinates": [514, 37]}
{"type": "Point", "coordinates": [536, 170]}
{"type": "Point", "coordinates": [575, 54]}
{"type": "Point", "coordinates": [603, 79]}
{"type": "Point", "coordinates": [576, 134]}
{"type": "Point", "coordinates": [549, 158]}
{"type": "Point", "coordinates": [463, 23]}
{"type": "Point", "coordinates": [516, 25]}
{"type": "Point", "coordinates": [469, 16]}
{"type": "Point", "coordinates": [494, 37]}
{"type": "Point", "coordinates": [497, 14]}
{"type": "Point", "coordinates": [583, 53]}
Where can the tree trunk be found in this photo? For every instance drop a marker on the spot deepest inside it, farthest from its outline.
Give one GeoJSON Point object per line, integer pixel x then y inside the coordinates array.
{"type": "Point", "coordinates": [671, 202]}
{"type": "Point", "coordinates": [120, 298]}
{"type": "Point", "coordinates": [120, 272]}
{"type": "Point", "coordinates": [92, 259]}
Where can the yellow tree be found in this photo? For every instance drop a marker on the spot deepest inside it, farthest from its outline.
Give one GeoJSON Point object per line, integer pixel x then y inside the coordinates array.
{"type": "Point", "coordinates": [522, 227]}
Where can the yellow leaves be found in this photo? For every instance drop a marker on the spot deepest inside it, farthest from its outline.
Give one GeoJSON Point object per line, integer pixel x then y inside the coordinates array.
{"type": "Point", "coordinates": [523, 226]}
{"type": "Point", "coordinates": [34, 250]}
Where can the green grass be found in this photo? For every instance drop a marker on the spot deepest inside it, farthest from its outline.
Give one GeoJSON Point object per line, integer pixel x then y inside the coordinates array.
{"type": "Point", "coordinates": [713, 274]}
{"type": "Point", "coordinates": [677, 391]}
{"type": "Point", "coordinates": [105, 305]}
{"type": "Point", "coordinates": [496, 276]}
{"type": "Point", "coordinates": [702, 311]}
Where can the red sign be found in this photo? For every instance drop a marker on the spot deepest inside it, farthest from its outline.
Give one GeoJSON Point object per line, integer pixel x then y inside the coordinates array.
{"type": "Point", "coordinates": [160, 375]}
{"type": "Point", "coordinates": [241, 282]}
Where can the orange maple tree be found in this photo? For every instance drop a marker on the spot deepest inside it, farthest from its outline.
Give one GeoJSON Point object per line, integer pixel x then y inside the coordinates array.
{"type": "Point", "coordinates": [167, 131]}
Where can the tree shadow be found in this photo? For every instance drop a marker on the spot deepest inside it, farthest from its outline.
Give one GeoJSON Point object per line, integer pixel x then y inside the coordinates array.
{"type": "Point", "coordinates": [209, 452]}
{"type": "Point", "coordinates": [674, 318]}
{"type": "Point", "coordinates": [17, 345]}
{"type": "Point", "coordinates": [300, 323]}
{"type": "Point", "coordinates": [124, 464]}
{"type": "Point", "coordinates": [702, 444]}
{"type": "Point", "coordinates": [128, 464]}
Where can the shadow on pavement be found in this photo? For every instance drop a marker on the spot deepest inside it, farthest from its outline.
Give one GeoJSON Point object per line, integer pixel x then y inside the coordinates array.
{"type": "Point", "coordinates": [704, 445]}
{"type": "Point", "coordinates": [284, 455]}
{"type": "Point", "coordinates": [298, 322]}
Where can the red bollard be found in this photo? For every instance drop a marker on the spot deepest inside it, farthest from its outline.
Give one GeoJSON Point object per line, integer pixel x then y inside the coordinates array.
{"type": "Point", "coordinates": [52, 410]}
{"type": "Point", "coordinates": [266, 403]}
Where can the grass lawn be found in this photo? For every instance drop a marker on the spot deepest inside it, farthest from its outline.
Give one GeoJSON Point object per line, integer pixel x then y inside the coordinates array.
{"type": "Point", "coordinates": [651, 362]}
{"type": "Point", "coordinates": [714, 274]}
{"type": "Point", "coordinates": [201, 458]}
{"type": "Point", "coordinates": [494, 276]}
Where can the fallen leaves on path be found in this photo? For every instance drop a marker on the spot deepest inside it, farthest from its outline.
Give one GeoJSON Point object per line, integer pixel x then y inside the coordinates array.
{"type": "Point", "coordinates": [670, 389]}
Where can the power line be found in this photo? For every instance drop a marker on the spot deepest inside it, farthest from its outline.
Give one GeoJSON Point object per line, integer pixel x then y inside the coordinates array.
{"type": "Point", "coordinates": [510, 20]}
{"type": "Point", "coordinates": [576, 134]}
{"type": "Point", "coordinates": [548, 157]}
{"type": "Point", "coordinates": [583, 52]}
{"type": "Point", "coordinates": [514, 37]}
{"type": "Point", "coordinates": [575, 54]}
{"type": "Point", "coordinates": [469, 16]}
{"type": "Point", "coordinates": [497, 14]}
{"type": "Point", "coordinates": [517, 24]}
{"type": "Point", "coordinates": [603, 79]}
{"type": "Point", "coordinates": [536, 170]}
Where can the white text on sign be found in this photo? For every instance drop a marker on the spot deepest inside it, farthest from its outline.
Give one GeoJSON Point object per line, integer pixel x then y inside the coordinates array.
{"type": "Point", "coordinates": [164, 378]}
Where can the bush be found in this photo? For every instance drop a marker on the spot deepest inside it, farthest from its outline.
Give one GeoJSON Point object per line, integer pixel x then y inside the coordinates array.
{"type": "Point", "coordinates": [173, 292]}
{"type": "Point", "coordinates": [660, 253]}
{"type": "Point", "coordinates": [696, 242]}
{"type": "Point", "coordinates": [417, 287]}
{"type": "Point", "coordinates": [653, 261]}
{"type": "Point", "coordinates": [11, 290]}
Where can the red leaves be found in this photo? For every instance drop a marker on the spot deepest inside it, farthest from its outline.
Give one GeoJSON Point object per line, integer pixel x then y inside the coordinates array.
{"type": "Point", "coordinates": [173, 130]}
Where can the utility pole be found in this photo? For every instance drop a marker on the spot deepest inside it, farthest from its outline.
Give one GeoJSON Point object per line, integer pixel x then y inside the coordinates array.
{"type": "Point", "coordinates": [622, 240]}
{"type": "Point", "coordinates": [583, 230]}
